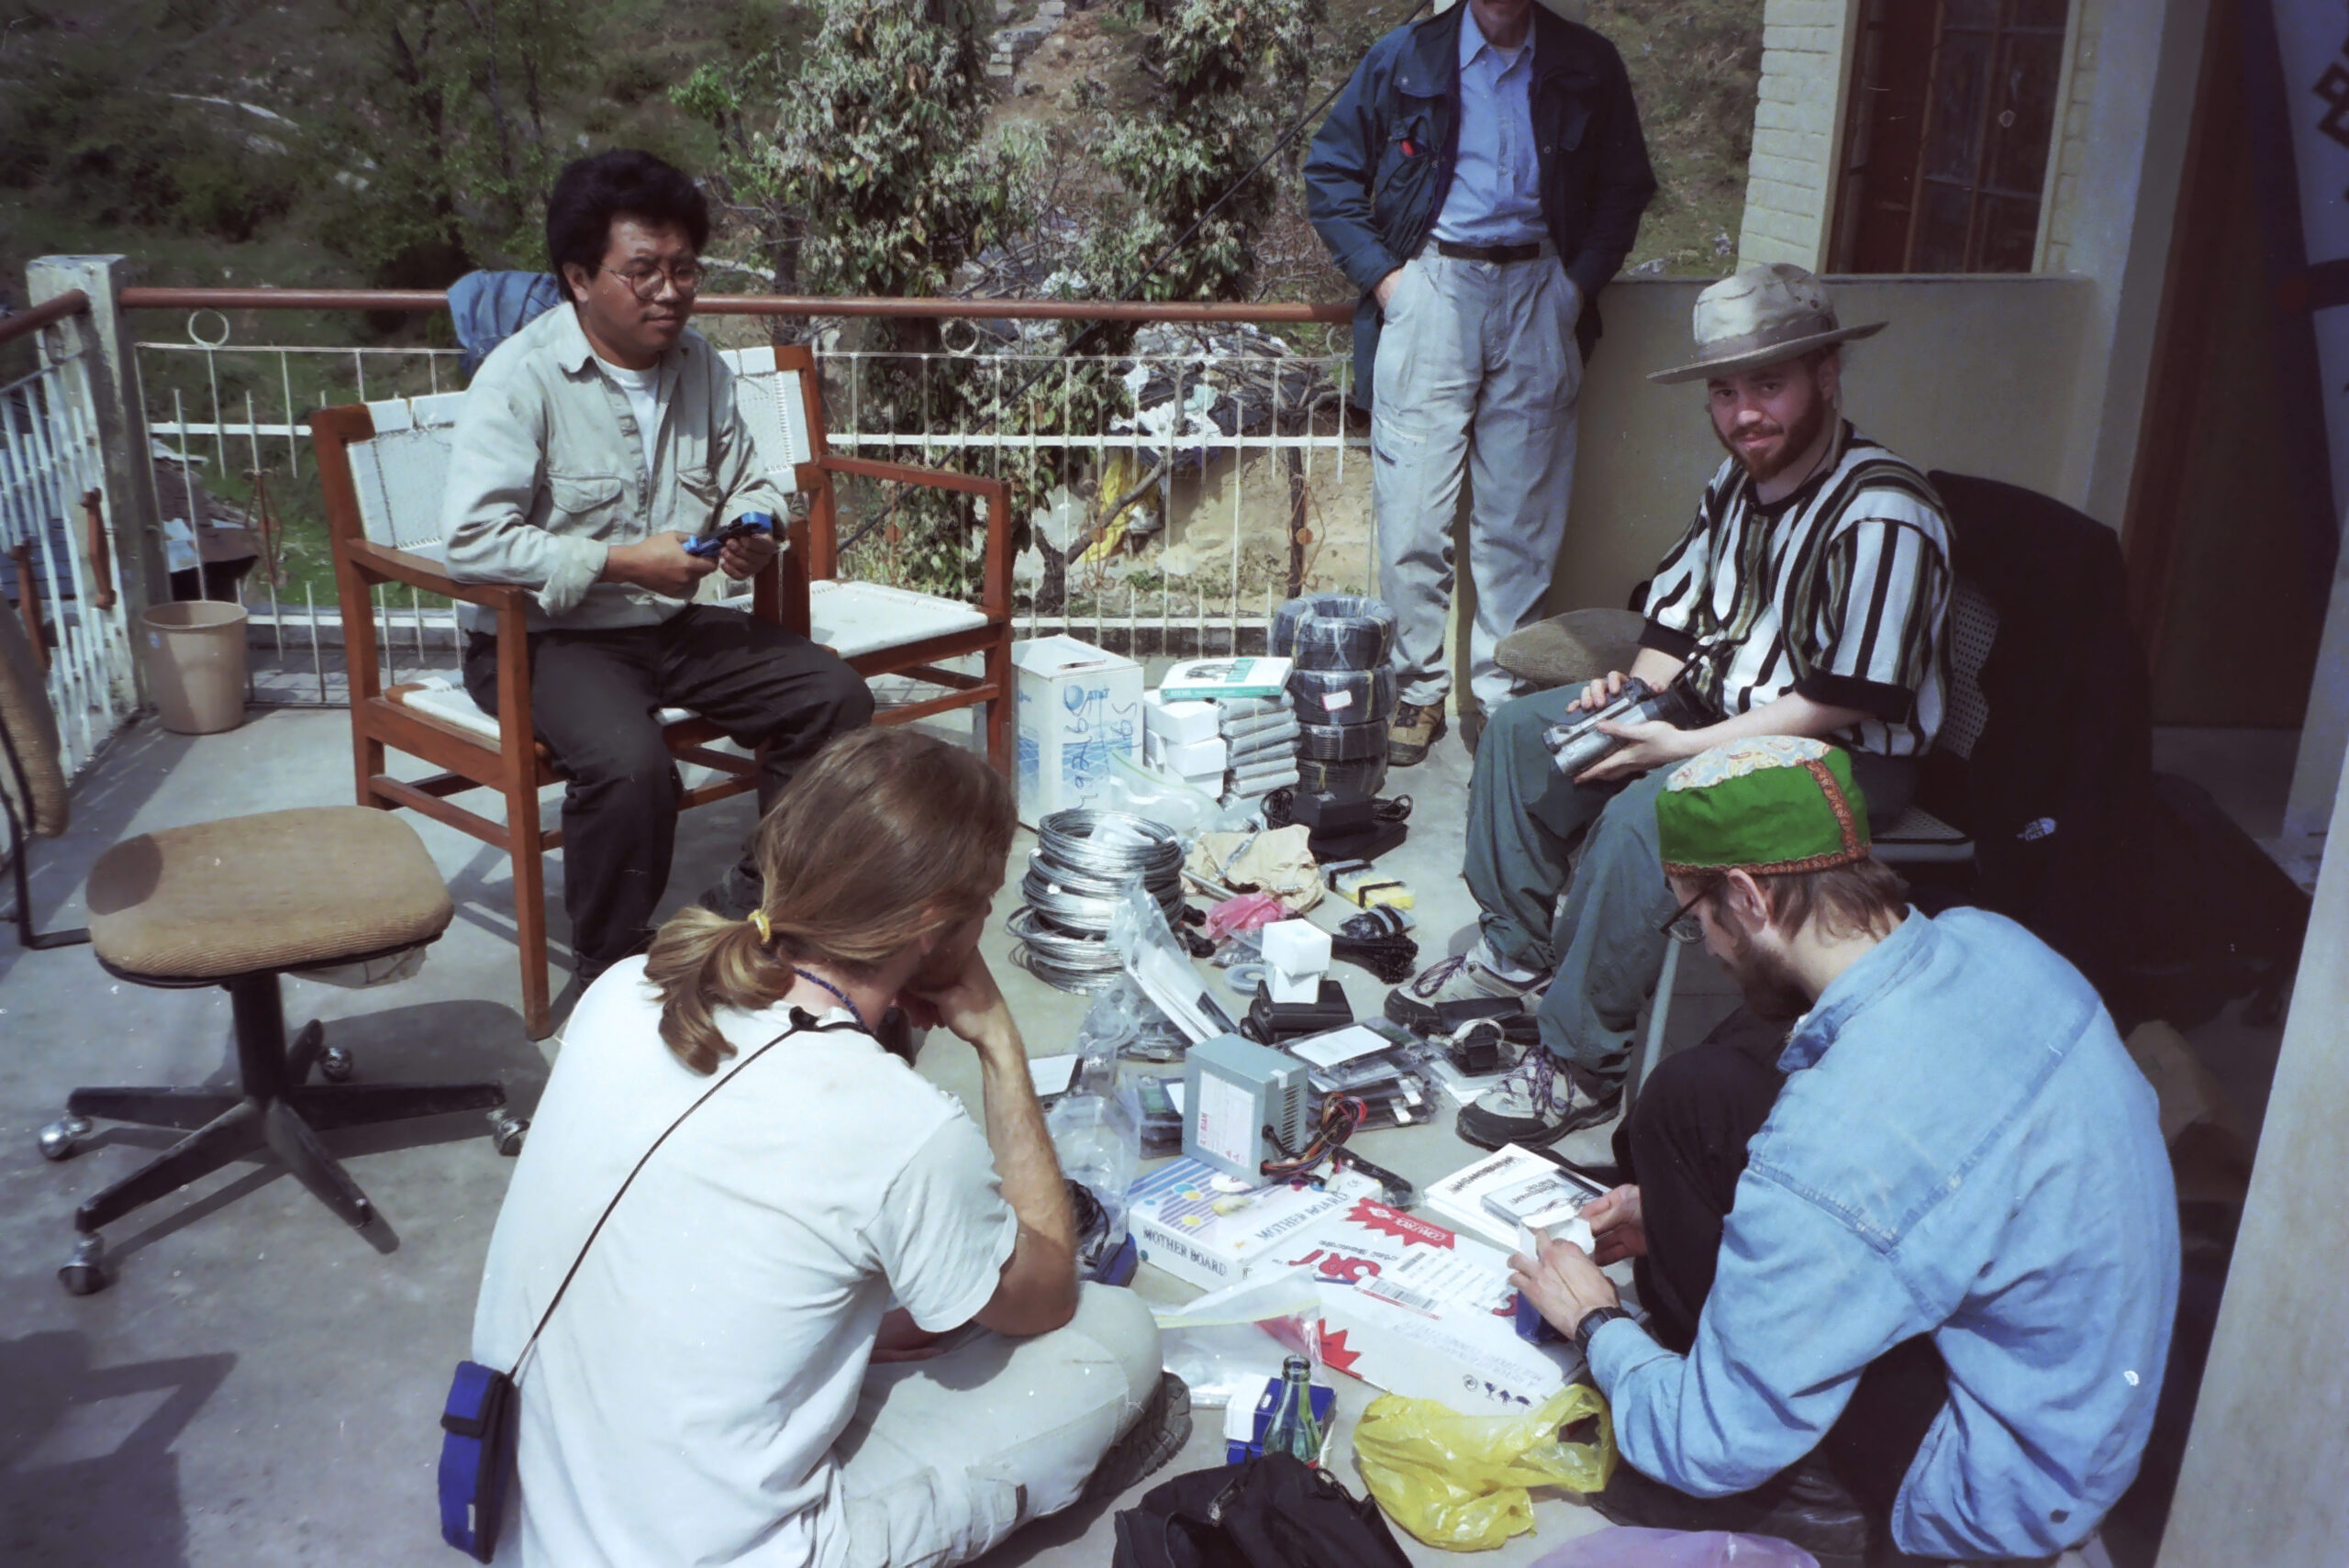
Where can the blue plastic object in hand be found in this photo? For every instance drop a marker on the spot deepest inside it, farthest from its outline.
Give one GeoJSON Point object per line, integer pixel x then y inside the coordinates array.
{"type": "Point", "coordinates": [749, 523]}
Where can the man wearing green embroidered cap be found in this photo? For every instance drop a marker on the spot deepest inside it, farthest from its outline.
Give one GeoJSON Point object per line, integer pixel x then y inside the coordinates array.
{"type": "Point", "coordinates": [1909, 1270]}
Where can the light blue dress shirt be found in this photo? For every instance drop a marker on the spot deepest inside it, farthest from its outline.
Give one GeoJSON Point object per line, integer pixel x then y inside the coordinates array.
{"type": "Point", "coordinates": [1496, 194]}
{"type": "Point", "coordinates": [1963, 1149]}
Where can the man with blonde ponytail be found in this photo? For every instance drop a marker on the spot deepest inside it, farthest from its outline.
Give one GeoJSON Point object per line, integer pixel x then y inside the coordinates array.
{"type": "Point", "coordinates": [829, 1321]}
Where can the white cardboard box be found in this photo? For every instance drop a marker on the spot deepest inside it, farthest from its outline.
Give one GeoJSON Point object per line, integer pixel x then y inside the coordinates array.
{"type": "Point", "coordinates": [1077, 707]}
{"type": "Point", "coordinates": [1186, 759]}
{"type": "Point", "coordinates": [1459, 1198]}
{"type": "Point", "coordinates": [1188, 1225]}
{"type": "Point", "coordinates": [1417, 1310]}
{"type": "Point", "coordinates": [1179, 723]}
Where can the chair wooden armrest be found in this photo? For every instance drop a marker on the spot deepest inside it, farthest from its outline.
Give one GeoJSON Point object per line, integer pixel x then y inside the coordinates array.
{"type": "Point", "coordinates": [994, 572]}
{"type": "Point", "coordinates": [381, 563]}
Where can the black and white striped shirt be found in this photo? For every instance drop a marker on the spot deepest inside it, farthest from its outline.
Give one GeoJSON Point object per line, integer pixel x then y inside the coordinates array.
{"type": "Point", "coordinates": [1840, 592]}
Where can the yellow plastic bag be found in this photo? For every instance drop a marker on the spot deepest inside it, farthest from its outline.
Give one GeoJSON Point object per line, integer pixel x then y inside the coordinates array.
{"type": "Point", "coordinates": [1460, 1482]}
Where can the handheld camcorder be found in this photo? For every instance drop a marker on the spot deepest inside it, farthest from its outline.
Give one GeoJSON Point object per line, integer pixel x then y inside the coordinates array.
{"type": "Point", "coordinates": [1577, 743]}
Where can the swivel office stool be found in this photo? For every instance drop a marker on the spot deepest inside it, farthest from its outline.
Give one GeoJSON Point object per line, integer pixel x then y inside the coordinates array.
{"type": "Point", "coordinates": [234, 903]}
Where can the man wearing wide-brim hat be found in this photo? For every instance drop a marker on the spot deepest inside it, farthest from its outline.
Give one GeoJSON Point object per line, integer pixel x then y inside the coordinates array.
{"type": "Point", "coordinates": [1904, 1232]}
{"type": "Point", "coordinates": [1810, 597]}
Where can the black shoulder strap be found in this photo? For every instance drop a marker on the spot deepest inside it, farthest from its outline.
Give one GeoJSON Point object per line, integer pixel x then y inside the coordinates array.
{"type": "Point", "coordinates": [799, 1021]}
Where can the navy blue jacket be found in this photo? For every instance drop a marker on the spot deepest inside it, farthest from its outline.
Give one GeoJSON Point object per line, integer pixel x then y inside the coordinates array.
{"type": "Point", "coordinates": [1381, 164]}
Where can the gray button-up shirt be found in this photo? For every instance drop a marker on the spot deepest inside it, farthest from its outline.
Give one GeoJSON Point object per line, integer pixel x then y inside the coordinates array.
{"type": "Point", "coordinates": [548, 473]}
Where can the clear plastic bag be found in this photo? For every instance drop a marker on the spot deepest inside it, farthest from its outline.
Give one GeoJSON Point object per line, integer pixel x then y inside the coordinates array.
{"type": "Point", "coordinates": [1464, 1482]}
{"type": "Point", "coordinates": [1097, 1138]}
{"type": "Point", "coordinates": [1225, 1346]}
{"type": "Point", "coordinates": [1182, 810]}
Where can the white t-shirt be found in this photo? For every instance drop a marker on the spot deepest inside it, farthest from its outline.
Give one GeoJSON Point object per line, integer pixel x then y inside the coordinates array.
{"type": "Point", "coordinates": [642, 390]}
{"type": "Point", "coordinates": [682, 1404]}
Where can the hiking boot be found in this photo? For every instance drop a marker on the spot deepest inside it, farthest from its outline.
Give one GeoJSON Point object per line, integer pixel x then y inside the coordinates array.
{"type": "Point", "coordinates": [1534, 1106]}
{"type": "Point", "coordinates": [1416, 728]}
{"type": "Point", "coordinates": [1157, 1435]}
{"type": "Point", "coordinates": [1806, 1505]}
{"type": "Point", "coordinates": [1413, 1003]}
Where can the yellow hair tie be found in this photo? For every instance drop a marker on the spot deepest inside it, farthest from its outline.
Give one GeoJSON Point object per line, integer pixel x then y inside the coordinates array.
{"type": "Point", "coordinates": [766, 931]}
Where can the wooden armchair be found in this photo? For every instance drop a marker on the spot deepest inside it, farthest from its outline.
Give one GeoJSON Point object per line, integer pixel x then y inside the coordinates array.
{"type": "Point", "coordinates": [382, 467]}
{"type": "Point", "coordinates": [879, 630]}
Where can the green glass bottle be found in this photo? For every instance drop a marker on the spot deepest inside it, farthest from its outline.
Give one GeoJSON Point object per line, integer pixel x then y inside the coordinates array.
{"type": "Point", "coordinates": [1293, 1430]}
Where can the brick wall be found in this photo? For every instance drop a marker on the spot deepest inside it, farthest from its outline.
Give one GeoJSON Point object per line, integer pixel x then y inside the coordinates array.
{"type": "Point", "coordinates": [1791, 178]}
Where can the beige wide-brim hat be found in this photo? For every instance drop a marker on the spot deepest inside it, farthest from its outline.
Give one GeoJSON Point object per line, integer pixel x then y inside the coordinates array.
{"type": "Point", "coordinates": [1760, 315]}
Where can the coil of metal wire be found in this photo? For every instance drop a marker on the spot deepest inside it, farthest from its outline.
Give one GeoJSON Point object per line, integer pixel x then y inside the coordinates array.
{"type": "Point", "coordinates": [1077, 879]}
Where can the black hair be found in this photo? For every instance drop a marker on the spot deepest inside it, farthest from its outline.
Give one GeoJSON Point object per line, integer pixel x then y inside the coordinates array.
{"type": "Point", "coordinates": [591, 191]}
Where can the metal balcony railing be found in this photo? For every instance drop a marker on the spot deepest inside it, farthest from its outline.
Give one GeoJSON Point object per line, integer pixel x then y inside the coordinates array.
{"type": "Point", "coordinates": [1240, 475]}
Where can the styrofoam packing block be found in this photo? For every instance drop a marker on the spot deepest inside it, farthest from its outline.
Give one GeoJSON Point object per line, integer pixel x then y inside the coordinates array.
{"type": "Point", "coordinates": [1283, 986]}
{"type": "Point", "coordinates": [1179, 723]}
{"type": "Point", "coordinates": [1191, 759]}
{"type": "Point", "coordinates": [1299, 947]}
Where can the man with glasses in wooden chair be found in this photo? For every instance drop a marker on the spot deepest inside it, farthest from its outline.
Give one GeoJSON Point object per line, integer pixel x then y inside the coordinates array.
{"type": "Point", "coordinates": [593, 446]}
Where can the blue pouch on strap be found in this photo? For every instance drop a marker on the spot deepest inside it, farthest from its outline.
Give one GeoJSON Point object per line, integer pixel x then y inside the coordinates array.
{"type": "Point", "coordinates": [477, 1455]}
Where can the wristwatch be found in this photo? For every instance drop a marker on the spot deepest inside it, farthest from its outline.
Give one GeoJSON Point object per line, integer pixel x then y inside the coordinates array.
{"type": "Point", "coordinates": [1592, 1321]}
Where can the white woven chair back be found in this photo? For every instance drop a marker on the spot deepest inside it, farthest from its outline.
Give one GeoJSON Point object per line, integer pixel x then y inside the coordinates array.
{"type": "Point", "coordinates": [401, 473]}
{"type": "Point", "coordinates": [776, 410]}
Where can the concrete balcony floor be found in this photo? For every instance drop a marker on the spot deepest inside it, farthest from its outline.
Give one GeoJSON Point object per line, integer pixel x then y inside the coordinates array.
{"type": "Point", "coordinates": [260, 1384]}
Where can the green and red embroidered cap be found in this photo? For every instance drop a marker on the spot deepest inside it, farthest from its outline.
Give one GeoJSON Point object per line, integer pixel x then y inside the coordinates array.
{"type": "Point", "coordinates": [1774, 803]}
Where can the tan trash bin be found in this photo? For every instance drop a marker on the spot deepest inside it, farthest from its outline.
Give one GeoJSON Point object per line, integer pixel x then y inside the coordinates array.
{"type": "Point", "coordinates": [195, 664]}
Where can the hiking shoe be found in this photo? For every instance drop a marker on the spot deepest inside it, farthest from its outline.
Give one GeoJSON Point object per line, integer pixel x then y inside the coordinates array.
{"type": "Point", "coordinates": [1806, 1505]}
{"type": "Point", "coordinates": [1157, 1435]}
{"type": "Point", "coordinates": [1413, 1003]}
{"type": "Point", "coordinates": [1535, 1105]}
{"type": "Point", "coordinates": [1416, 728]}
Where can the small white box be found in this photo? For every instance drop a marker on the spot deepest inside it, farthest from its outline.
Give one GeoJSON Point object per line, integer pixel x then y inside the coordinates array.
{"type": "Point", "coordinates": [1190, 759]}
{"type": "Point", "coordinates": [1186, 1222]}
{"type": "Point", "coordinates": [1286, 985]}
{"type": "Point", "coordinates": [1299, 947]}
{"type": "Point", "coordinates": [1179, 723]}
{"type": "Point", "coordinates": [1078, 706]}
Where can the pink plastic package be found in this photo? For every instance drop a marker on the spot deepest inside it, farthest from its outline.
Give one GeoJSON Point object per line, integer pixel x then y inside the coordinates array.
{"type": "Point", "coordinates": [1627, 1547]}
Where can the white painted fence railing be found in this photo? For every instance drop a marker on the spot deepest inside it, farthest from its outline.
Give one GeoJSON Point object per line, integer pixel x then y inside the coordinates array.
{"type": "Point", "coordinates": [59, 569]}
{"type": "Point", "coordinates": [1235, 425]}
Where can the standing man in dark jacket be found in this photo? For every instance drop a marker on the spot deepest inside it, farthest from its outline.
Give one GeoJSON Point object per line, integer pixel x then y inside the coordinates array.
{"type": "Point", "coordinates": [1480, 179]}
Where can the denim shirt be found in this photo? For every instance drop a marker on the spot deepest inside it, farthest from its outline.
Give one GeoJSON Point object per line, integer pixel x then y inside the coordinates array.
{"type": "Point", "coordinates": [547, 473]}
{"type": "Point", "coordinates": [1961, 1149]}
{"type": "Point", "coordinates": [1496, 194]}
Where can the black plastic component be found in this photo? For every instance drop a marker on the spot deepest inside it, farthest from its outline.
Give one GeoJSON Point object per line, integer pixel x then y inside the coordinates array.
{"type": "Point", "coordinates": [1365, 844]}
{"type": "Point", "coordinates": [1277, 1021]}
{"type": "Point", "coordinates": [1332, 811]}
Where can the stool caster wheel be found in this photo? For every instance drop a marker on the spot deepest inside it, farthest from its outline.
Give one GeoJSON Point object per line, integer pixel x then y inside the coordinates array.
{"type": "Point", "coordinates": [506, 1130]}
{"type": "Point", "coordinates": [84, 1273]}
{"type": "Point", "coordinates": [58, 1139]}
{"type": "Point", "coordinates": [336, 1065]}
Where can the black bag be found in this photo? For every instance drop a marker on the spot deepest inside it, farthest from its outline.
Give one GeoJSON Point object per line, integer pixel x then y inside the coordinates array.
{"type": "Point", "coordinates": [1274, 1511]}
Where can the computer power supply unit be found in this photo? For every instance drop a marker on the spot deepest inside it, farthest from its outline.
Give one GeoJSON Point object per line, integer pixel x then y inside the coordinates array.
{"type": "Point", "coordinates": [1238, 1096]}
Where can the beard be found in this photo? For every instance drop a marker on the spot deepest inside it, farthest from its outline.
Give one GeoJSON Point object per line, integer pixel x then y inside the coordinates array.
{"type": "Point", "coordinates": [1797, 441]}
{"type": "Point", "coordinates": [1771, 989]}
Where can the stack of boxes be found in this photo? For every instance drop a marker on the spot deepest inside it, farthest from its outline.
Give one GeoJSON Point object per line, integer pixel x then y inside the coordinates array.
{"type": "Point", "coordinates": [1184, 741]}
{"type": "Point", "coordinates": [1242, 748]}
{"type": "Point", "coordinates": [1261, 733]}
